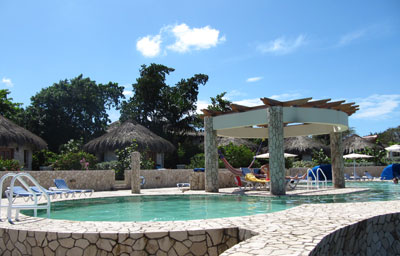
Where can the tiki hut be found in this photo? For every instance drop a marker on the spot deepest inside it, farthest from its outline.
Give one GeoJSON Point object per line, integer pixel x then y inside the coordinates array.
{"type": "Point", "coordinates": [303, 146]}
{"type": "Point", "coordinates": [354, 143]}
{"type": "Point", "coordinates": [122, 136]}
{"type": "Point", "coordinates": [18, 143]}
{"type": "Point", "coordinates": [224, 141]}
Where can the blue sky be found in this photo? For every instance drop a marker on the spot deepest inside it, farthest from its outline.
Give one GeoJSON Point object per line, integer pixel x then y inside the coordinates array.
{"type": "Point", "coordinates": [250, 49]}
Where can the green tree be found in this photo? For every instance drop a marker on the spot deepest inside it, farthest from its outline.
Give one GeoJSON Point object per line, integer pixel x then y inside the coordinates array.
{"type": "Point", "coordinates": [390, 136]}
{"type": "Point", "coordinates": [72, 109]}
{"type": "Point", "coordinates": [162, 108]}
{"type": "Point", "coordinates": [219, 103]}
{"type": "Point", "coordinates": [9, 109]}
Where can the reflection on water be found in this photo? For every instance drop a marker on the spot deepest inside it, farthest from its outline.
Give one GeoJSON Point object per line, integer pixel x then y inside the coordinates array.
{"type": "Point", "coordinates": [188, 207]}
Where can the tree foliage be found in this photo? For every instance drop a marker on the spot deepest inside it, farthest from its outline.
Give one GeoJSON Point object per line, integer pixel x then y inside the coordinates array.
{"type": "Point", "coordinates": [8, 108]}
{"type": "Point", "coordinates": [160, 107]}
{"type": "Point", "coordinates": [219, 103]}
{"type": "Point", "coordinates": [390, 136]}
{"type": "Point", "coordinates": [72, 109]}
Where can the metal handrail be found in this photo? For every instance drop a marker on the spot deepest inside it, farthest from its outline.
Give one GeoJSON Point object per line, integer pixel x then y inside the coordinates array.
{"type": "Point", "coordinates": [310, 181]}
{"type": "Point", "coordinates": [18, 207]}
{"type": "Point", "coordinates": [325, 181]}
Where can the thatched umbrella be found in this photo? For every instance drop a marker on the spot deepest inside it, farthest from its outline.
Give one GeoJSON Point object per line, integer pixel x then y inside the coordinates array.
{"type": "Point", "coordinates": [11, 133]}
{"type": "Point", "coordinates": [303, 145]}
{"type": "Point", "coordinates": [224, 141]}
{"type": "Point", "coordinates": [122, 137]}
{"type": "Point", "coordinates": [354, 142]}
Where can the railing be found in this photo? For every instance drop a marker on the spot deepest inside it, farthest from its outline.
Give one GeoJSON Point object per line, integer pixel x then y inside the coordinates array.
{"type": "Point", "coordinates": [34, 196]}
{"type": "Point", "coordinates": [315, 182]}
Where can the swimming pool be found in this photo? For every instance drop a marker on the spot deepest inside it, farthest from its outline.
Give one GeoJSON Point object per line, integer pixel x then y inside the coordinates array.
{"type": "Point", "coordinates": [189, 207]}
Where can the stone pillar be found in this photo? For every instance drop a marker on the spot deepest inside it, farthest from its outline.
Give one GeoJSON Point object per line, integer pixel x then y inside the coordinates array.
{"type": "Point", "coordinates": [211, 156]}
{"type": "Point", "coordinates": [337, 160]}
{"type": "Point", "coordinates": [135, 175]}
{"type": "Point", "coordinates": [275, 146]}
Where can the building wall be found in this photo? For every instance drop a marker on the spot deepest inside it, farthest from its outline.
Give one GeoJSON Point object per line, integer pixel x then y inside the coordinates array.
{"type": "Point", "coordinates": [19, 154]}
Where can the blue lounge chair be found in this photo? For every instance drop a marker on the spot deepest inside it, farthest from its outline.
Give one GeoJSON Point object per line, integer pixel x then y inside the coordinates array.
{"type": "Point", "coordinates": [61, 185]}
{"type": "Point", "coordinates": [50, 193]}
{"type": "Point", "coordinates": [347, 177]}
{"type": "Point", "coordinates": [369, 176]}
{"type": "Point", "coordinates": [19, 191]}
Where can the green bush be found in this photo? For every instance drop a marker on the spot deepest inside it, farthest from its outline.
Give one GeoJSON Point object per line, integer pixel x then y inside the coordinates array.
{"type": "Point", "coordinates": [75, 161]}
{"type": "Point", "coordinates": [238, 156]}
{"type": "Point", "coordinates": [124, 160]}
{"type": "Point", "coordinates": [43, 158]}
{"type": "Point", "coordinates": [197, 161]}
{"type": "Point", "coordinates": [112, 165]}
{"type": "Point", "coordinates": [303, 164]}
{"type": "Point", "coordinates": [9, 165]}
{"type": "Point", "coordinates": [319, 157]}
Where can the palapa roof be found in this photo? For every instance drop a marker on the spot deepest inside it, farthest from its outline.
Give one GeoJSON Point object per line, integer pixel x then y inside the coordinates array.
{"type": "Point", "coordinates": [224, 141]}
{"type": "Point", "coordinates": [122, 136]}
{"type": "Point", "coordinates": [354, 142]}
{"type": "Point", "coordinates": [303, 144]}
{"type": "Point", "coordinates": [11, 133]}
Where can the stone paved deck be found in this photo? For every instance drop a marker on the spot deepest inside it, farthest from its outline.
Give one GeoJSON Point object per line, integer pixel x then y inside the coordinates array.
{"type": "Point", "coordinates": [295, 231]}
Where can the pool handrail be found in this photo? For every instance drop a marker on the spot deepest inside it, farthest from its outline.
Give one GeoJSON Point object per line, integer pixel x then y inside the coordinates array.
{"type": "Point", "coordinates": [316, 180]}
{"type": "Point", "coordinates": [325, 181]}
{"type": "Point", "coordinates": [19, 177]}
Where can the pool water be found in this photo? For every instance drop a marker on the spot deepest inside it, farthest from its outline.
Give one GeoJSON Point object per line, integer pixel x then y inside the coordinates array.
{"type": "Point", "coordinates": [190, 207]}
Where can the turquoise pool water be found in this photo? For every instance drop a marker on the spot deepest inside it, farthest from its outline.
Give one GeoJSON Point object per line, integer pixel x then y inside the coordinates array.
{"type": "Point", "coordinates": [189, 207]}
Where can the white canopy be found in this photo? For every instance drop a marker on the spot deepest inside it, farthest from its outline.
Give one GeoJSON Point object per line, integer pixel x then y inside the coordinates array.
{"type": "Point", "coordinates": [393, 148]}
{"type": "Point", "coordinates": [354, 156]}
{"type": "Point", "coordinates": [266, 155]}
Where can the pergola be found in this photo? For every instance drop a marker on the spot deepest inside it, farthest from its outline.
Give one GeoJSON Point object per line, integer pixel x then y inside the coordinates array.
{"type": "Point", "coordinates": [277, 120]}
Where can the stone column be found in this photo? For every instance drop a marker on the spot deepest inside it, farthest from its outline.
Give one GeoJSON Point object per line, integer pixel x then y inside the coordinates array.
{"type": "Point", "coordinates": [135, 175]}
{"type": "Point", "coordinates": [337, 160]}
{"type": "Point", "coordinates": [275, 146]}
{"type": "Point", "coordinates": [211, 156]}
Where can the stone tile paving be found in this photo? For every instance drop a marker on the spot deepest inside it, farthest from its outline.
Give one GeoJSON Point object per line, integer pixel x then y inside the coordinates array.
{"type": "Point", "coordinates": [296, 231]}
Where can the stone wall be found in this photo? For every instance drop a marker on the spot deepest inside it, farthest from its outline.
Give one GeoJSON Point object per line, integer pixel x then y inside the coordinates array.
{"type": "Point", "coordinates": [170, 177]}
{"type": "Point", "coordinates": [97, 180]}
{"type": "Point", "coordinates": [196, 242]}
{"type": "Point", "coordinates": [379, 235]}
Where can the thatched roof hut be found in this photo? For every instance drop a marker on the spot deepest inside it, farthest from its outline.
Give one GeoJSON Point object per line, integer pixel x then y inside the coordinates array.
{"type": "Point", "coordinates": [123, 135]}
{"type": "Point", "coordinates": [10, 133]}
{"type": "Point", "coordinates": [224, 141]}
{"type": "Point", "coordinates": [354, 142]}
{"type": "Point", "coordinates": [303, 145]}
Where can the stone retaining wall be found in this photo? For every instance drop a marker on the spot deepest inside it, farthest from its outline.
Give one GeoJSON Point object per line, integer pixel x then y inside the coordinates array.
{"type": "Point", "coordinates": [97, 180]}
{"type": "Point", "coordinates": [197, 242]}
{"type": "Point", "coordinates": [379, 235]}
{"type": "Point", "coordinates": [170, 177]}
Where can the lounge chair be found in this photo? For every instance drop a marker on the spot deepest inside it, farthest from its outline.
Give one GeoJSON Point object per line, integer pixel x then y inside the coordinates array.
{"type": "Point", "coordinates": [183, 186]}
{"type": "Point", "coordinates": [356, 177]}
{"type": "Point", "coordinates": [50, 192]}
{"type": "Point", "coordinates": [369, 176]}
{"type": "Point", "coordinates": [61, 185]}
{"type": "Point", "coordinates": [250, 180]}
{"type": "Point", "coordinates": [347, 177]}
{"type": "Point", "coordinates": [292, 182]}
{"type": "Point", "coordinates": [20, 192]}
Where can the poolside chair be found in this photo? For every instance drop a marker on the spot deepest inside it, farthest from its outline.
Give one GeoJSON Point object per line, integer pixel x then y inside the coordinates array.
{"type": "Point", "coordinates": [292, 182]}
{"type": "Point", "coordinates": [183, 186]}
{"type": "Point", "coordinates": [347, 177]}
{"type": "Point", "coordinates": [20, 192]}
{"type": "Point", "coordinates": [50, 192]}
{"type": "Point", "coordinates": [356, 177]}
{"type": "Point", "coordinates": [369, 176]}
{"type": "Point", "coordinates": [61, 185]}
{"type": "Point", "coordinates": [250, 180]}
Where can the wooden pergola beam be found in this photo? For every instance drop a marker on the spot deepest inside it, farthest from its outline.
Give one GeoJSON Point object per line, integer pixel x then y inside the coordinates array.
{"type": "Point", "coordinates": [294, 103]}
{"type": "Point", "coordinates": [271, 102]}
{"type": "Point", "coordinates": [315, 104]}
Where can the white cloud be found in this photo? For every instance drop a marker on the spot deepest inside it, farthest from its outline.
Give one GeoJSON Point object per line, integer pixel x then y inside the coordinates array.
{"type": "Point", "coordinates": [254, 79]}
{"type": "Point", "coordinates": [249, 102]}
{"type": "Point", "coordinates": [201, 104]}
{"type": "Point", "coordinates": [184, 38]}
{"type": "Point", "coordinates": [285, 96]}
{"type": "Point", "coordinates": [127, 93]}
{"type": "Point", "coordinates": [233, 94]}
{"type": "Point", "coordinates": [149, 46]}
{"type": "Point", "coordinates": [188, 39]}
{"type": "Point", "coordinates": [350, 37]}
{"type": "Point", "coordinates": [281, 46]}
{"type": "Point", "coordinates": [7, 82]}
{"type": "Point", "coordinates": [377, 106]}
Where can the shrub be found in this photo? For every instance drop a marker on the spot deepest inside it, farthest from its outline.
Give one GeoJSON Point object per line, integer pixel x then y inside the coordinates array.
{"type": "Point", "coordinates": [197, 161]}
{"type": "Point", "coordinates": [75, 161]}
{"type": "Point", "coordinates": [43, 158]}
{"type": "Point", "coordinates": [319, 157]}
{"type": "Point", "coordinates": [303, 164]}
{"type": "Point", "coordinates": [112, 165]}
{"type": "Point", "coordinates": [9, 165]}
{"type": "Point", "coordinates": [238, 156]}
